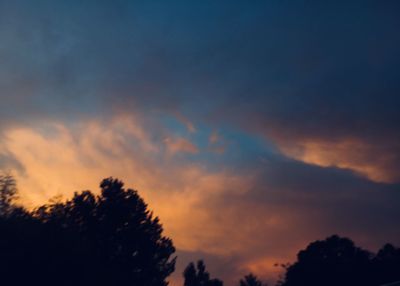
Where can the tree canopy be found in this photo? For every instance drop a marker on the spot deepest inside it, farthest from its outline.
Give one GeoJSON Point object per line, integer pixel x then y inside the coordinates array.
{"type": "Point", "coordinates": [198, 276]}
{"type": "Point", "coordinates": [251, 280]}
{"type": "Point", "coordinates": [109, 239]}
{"type": "Point", "coordinates": [337, 261]}
{"type": "Point", "coordinates": [8, 191]}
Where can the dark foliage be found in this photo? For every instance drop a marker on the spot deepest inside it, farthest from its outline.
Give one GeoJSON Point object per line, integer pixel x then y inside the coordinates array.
{"type": "Point", "coordinates": [8, 193]}
{"type": "Point", "coordinates": [110, 239]}
{"type": "Point", "coordinates": [251, 280]}
{"type": "Point", "coordinates": [386, 265]}
{"type": "Point", "coordinates": [199, 276]}
{"type": "Point", "coordinates": [337, 261]}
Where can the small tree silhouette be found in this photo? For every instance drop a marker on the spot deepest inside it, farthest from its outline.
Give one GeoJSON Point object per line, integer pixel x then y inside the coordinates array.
{"type": "Point", "coordinates": [386, 265]}
{"type": "Point", "coordinates": [199, 276]}
{"type": "Point", "coordinates": [251, 280]}
{"type": "Point", "coordinates": [8, 191]}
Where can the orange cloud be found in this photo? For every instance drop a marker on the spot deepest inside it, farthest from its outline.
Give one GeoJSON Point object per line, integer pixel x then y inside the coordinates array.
{"type": "Point", "coordinates": [363, 158]}
{"type": "Point", "coordinates": [180, 145]}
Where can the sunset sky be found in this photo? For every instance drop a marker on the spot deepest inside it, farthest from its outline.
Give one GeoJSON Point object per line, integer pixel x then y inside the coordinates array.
{"type": "Point", "coordinates": [250, 127]}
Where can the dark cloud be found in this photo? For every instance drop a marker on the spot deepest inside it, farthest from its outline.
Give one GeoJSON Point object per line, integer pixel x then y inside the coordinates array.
{"type": "Point", "coordinates": [297, 73]}
{"type": "Point", "coordinates": [322, 66]}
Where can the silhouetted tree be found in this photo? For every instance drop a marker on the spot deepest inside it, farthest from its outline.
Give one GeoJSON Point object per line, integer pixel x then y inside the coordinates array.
{"type": "Point", "coordinates": [125, 239]}
{"type": "Point", "coordinates": [190, 275]}
{"type": "Point", "coordinates": [199, 276]}
{"type": "Point", "coordinates": [8, 193]}
{"type": "Point", "coordinates": [337, 261]}
{"type": "Point", "coordinates": [215, 282]}
{"type": "Point", "coordinates": [20, 241]}
{"type": "Point", "coordinates": [386, 265]}
{"type": "Point", "coordinates": [110, 239]}
{"type": "Point", "coordinates": [334, 261]}
{"type": "Point", "coordinates": [251, 280]}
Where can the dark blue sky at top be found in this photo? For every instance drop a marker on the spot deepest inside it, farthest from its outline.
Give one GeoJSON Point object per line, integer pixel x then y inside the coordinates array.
{"type": "Point", "coordinates": [283, 61]}
{"type": "Point", "coordinates": [264, 74]}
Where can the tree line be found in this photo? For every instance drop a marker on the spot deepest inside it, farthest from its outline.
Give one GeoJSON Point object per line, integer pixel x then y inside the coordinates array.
{"type": "Point", "coordinates": [114, 239]}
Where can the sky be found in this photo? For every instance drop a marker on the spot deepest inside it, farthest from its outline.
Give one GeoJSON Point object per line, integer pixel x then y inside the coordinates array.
{"type": "Point", "coordinates": [251, 128]}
